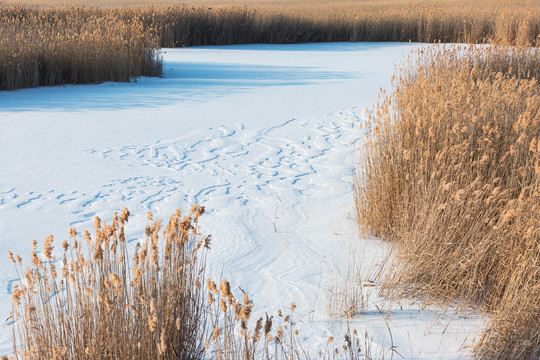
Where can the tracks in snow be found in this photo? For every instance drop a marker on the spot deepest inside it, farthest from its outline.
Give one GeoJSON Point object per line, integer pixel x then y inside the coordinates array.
{"type": "Point", "coordinates": [222, 161]}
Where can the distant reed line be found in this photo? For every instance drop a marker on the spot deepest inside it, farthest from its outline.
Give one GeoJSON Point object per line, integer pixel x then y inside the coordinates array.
{"type": "Point", "coordinates": [52, 46]}
{"type": "Point", "coordinates": [188, 26]}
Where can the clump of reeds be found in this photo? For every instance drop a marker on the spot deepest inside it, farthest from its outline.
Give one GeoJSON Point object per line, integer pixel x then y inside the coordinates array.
{"type": "Point", "coordinates": [271, 337]}
{"type": "Point", "coordinates": [73, 46]}
{"type": "Point", "coordinates": [97, 304]}
{"type": "Point", "coordinates": [451, 172]}
{"type": "Point", "coordinates": [232, 338]}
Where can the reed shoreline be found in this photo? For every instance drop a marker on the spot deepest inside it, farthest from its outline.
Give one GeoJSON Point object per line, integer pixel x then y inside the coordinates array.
{"type": "Point", "coordinates": [42, 46]}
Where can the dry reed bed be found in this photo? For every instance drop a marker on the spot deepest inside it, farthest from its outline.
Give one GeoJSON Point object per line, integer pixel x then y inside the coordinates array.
{"type": "Point", "coordinates": [50, 46]}
{"type": "Point", "coordinates": [451, 172]}
{"type": "Point", "coordinates": [97, 304]}
{"type": "Point", "coordinates": [352, 22]}
{"type": "Point", "coordinates": [73, 46]}
{"type": "Point", "coordinates": [272, 337]}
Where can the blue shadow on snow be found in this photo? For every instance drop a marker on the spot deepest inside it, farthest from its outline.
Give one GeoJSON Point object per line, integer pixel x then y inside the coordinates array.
{"type": "Point", "coordinates": [181, 81]}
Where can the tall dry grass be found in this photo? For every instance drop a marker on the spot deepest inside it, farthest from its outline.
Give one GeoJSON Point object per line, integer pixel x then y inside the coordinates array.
{"type": "Point", "coordinates": [273, 337]}
{"type": "Point", "coordinates": [451, 172]}
{"type": "Point", "coordinates": [515, 23]}
{"type": "Point", "coordinates": [97, 304]}
{"type": "Point", "coordinates": [49, 46]}
{"type": "Point", "coordinates": [101, 305]}
{"type": "Point", "coordinates": [73, 46]}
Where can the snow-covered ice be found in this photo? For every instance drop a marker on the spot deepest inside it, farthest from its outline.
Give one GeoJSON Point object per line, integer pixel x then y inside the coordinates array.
{"type": "Point", "coordinates": [264, 136]}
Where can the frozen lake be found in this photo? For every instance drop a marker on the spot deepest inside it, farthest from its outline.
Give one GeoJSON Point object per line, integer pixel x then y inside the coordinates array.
{"type": "Point", "coordinates": [263, 136]}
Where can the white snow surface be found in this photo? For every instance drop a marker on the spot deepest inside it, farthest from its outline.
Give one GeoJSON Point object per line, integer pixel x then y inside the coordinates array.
{"type": "Point", "coordinates": [263, 136]}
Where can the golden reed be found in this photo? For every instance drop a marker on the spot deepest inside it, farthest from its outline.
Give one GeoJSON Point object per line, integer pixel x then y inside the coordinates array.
{"type": "Point", "coordinates": [451, 172]}
{"type": "Point", "coordinates": [49, 46]}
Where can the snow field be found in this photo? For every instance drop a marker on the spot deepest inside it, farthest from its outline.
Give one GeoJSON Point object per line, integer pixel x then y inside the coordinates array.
{"type": "Point", "coordinates": [263, 136]}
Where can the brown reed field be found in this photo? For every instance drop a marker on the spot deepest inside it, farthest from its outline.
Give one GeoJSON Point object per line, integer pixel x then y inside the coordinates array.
{"type": "Point", "coordinates": [451, 173]}
{"type": "Point", "coordinates": [101, 305]}
{"type": "Point", "coordinates": [73, 46]}
{"type": "Point", "coordinates": [43, 44]}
